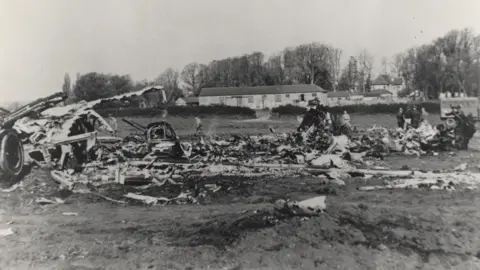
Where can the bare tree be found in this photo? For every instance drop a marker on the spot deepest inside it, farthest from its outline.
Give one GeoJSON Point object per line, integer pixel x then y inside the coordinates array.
{"type": "Point", "coordinates": [190, 76]}
{"type": "Point", "coordinates": [406, 66]}
{"type": "Point", "coordinates": [334, 57]}
{"type": "Point", "coordinates": [255, 68]}
{"type": "Point", "coordinates": [309, 57]}
{"type": "Point", "coordinates": [67, 85]}
{"type": "Point", "coordinates": [169, 80]}
{"type": "Point", "coordinates": [204, 77]}
{"type": "Point", "coordinates": [365, 63]}
{"type": "Point", "coordinates": [274, 71]}
{"type": "Point", "coordinates": [397, 64]}
{"type": "Point", "coordinates": [384, 65]}
{"type": "Point", "coordinates": [292, 71]}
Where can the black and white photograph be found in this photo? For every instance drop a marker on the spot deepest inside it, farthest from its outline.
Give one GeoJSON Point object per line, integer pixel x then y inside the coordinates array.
{"type": "Point", "coordinates": [239, 134]}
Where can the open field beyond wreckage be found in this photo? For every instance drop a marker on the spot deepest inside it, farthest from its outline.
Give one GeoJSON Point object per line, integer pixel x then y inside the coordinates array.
{"type": "Point", "coordinates": [235, 226]}
{"type": "Point", "coordinates": [221, 125]}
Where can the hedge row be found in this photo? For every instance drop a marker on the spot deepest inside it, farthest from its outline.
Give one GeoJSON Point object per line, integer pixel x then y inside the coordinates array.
{"type": "Point", "coordinates": [431, 107]}
{"type": "Point", "coordinates": [183, 111]}
{"type": "Point", "coordinates": [242, 112]}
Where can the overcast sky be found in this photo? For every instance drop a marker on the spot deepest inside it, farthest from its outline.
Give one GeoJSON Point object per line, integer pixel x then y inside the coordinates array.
{"type": "Point", "coordinates": [40, 40]}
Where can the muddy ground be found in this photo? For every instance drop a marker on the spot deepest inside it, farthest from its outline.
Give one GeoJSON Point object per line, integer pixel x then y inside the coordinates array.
{"type": "Point", "coordinates": [236, 228]}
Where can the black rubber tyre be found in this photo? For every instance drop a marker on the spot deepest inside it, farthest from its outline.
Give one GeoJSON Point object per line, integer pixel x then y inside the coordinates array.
{"type": "Point", "coordinates": [11, 154]}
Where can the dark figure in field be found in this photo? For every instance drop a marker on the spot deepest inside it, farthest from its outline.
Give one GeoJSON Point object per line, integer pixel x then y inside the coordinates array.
{"type": "Point", "coordinates": [444, 138]}
{"type": "Point", "coordinates": [408, 116]}
{"type": "Point", "coordinates": [400, 118]}
{"type": "Point", "coordinates": [314, 116]}
{"type": "Point", "coordinates": [198, 126]}
{"type": "Point", "coordinates": [416, 117]}
{"type": "Point", "coordinates": [464, 128]}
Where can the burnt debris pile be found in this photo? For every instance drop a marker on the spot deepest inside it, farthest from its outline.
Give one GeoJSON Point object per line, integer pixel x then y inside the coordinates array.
{"type": "Point", "coordinates": [81, 148]}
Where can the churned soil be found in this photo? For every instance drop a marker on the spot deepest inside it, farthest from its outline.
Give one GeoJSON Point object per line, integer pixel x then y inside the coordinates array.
{"type": "Point", "coordinates": [237, 228]}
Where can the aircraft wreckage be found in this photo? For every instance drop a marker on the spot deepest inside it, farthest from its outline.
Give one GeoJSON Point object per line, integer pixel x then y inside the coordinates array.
{"type": "Point", "coordinates": [68, 141]}
{"type": "Point", "coordinates": [52, 136]}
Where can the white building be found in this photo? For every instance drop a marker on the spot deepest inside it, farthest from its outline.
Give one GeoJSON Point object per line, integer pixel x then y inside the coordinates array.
{"type": "Point", "coordinates": [385, 82]}
{"type": "Point", "coordinates": [180, 102]}
{"type": "Point", "coordinates": [343, 96]}
{"type": "Point", "coordinates": [260, 97]}
{"type": "Point", "coordinates": [377, 95]}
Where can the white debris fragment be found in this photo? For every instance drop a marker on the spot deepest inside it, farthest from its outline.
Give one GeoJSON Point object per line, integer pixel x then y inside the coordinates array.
{"type": "Point", "coordinates": [6, 232]}
{"type": "Point", "coordinates": [63, 178]}
{"type": "Point", "coordinates": [446, 181]}
{"type": "Point", "coordinates": [309, 207]}
{"type": "Point", "coordinates": [327, 161]}
{"type": "Point", "coordinates": [146, 199]}
{"type": "Point", "coordinates": [70, 214]}
{"type": "Point", "coordinates": [220, 168]}
{"type": "Point", "coordinates": [48, 201]}
{"type": "Point", "coordinates": [316, 204]}
{"type": "Point", "coordinates": [461, 167]}
{"type": "Point", "coordinates": [13, 188]}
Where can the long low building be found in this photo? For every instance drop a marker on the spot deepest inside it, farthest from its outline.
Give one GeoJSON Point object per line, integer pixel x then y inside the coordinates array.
{"type": "Point", "coordinates": [260, 97]}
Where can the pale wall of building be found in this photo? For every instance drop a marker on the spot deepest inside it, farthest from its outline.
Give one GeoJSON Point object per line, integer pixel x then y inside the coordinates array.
{"type": "Point", "coordinates": [394, 89]}
{"type": "Point", "coordinates": [180, 102]}
{"type": "Point", "coordinates": [264, 101]}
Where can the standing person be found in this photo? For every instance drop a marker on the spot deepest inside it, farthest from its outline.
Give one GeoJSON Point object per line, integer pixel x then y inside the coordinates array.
{"type": "Point", "coordinates": [400, 118]}
{"type": "Point", "coordinates": [460, 127]}
{"type": "Point", "coordinates": [345, 120]}
{"type": "Point", "coordinates": [328, 122]}
{"type": "Point", "coordinates": [408, 115]}
{"type": "Point", "coordinates": [198, 126]}
{"type": "Point", "coordinates": [424, 113]}
{"type": "Point", "coordinates": [112, 121]}
{"type": "Point", "coordinates": [466, 127]}
{"type": "Point", "coordinates": [416, 117]}
{"type": "Point", "coordinates": [345, 127]}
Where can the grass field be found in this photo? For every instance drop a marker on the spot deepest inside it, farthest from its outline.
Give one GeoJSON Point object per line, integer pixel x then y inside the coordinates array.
{"type": "Point", "coordinates": [387, 229]}
{"type": "Point", "coordinates": [217, 125]}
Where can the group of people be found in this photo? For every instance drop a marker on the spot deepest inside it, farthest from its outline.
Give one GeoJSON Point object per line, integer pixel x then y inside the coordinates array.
{"type": "Point", "coordinates": [462, 130]}
{"type": "Point", "coordinates": [319, 116]}
{"type": "Point", "coordinates": [411, 117]}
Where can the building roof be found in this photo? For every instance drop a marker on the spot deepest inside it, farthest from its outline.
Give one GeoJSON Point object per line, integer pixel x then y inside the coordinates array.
{"type": "Point", "coordinates": [384, 79]}
{"type": "Point", "coordinates": [377, 93]}
{"type": "Point", "coordinates": [261, 90]}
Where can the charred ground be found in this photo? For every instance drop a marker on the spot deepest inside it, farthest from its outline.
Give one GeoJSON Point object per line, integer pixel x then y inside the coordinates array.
{"type": "Point", "coordinates": [237, 227]}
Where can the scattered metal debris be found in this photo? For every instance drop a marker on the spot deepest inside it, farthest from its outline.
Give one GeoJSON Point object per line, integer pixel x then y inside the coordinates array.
{"type": "Point", "coordinates": [67, 141]}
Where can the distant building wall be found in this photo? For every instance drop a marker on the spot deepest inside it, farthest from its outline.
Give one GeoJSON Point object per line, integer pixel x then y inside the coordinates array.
{"type": "Point", "coordinates": [180, 102]}
{"type": "Point", "coordinates": [264, 101]}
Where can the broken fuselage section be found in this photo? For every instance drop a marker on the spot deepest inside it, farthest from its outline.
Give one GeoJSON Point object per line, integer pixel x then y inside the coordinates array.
{"type": "Point", "coordinates": [56, 137]}
{"type": "Point", "coordinates": [162, 141]}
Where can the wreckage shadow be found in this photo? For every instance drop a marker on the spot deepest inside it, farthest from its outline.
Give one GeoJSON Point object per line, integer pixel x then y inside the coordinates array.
{"type": "Point", "coordinates": [7, 181]}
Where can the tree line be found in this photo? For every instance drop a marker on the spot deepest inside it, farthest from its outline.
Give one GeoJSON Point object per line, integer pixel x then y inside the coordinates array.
{"type": "Point", "coordinates": [451, 62]}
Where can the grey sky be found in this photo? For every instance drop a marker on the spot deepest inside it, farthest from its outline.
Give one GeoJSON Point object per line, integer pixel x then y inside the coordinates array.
{"type": "Point", "coordinates": [41, 40]}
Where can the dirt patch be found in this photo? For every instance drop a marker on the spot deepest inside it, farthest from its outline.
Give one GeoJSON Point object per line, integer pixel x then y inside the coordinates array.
{"type": "Point", "coordinates": [237, 227]}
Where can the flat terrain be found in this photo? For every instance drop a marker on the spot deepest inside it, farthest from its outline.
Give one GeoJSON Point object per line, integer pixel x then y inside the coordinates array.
{"type": "Point", "coordinates": [219, 125]}
{"type": "Point", "coordinates": [235, 228]}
